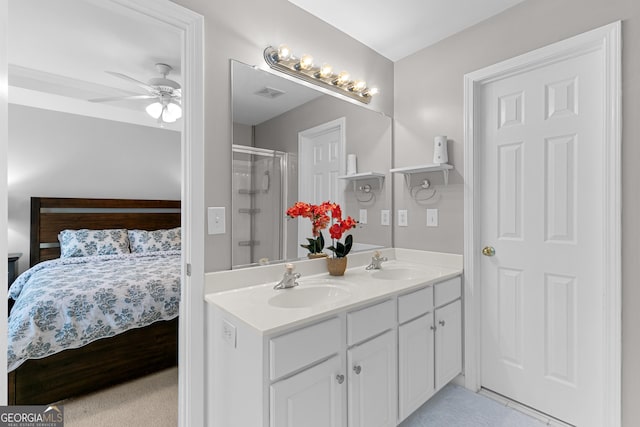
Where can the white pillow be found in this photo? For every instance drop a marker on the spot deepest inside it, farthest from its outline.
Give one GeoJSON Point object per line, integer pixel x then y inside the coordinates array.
{"type": "Point", "coordinates": [154, 241]}
{"type": "Point", "coordinates": [84, 242]}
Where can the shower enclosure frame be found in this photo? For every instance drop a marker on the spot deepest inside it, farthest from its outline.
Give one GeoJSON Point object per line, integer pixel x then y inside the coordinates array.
{"type": "Point", "coordinates": [282, 158]}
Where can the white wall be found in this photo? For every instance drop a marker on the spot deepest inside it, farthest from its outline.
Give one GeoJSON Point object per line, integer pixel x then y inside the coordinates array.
{"type": "Point", "coordinates": [53, 154]}
{"type": "Point", "coordinates": [429, 101]}
{"type": "Point", "coordinates": [241, 30]}
{"type": "Point", "coordinates": [368, 135]}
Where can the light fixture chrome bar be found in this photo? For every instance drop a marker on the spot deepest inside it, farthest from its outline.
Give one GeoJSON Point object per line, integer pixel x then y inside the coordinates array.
{"type": "Point", "coordinates": [292, 66]}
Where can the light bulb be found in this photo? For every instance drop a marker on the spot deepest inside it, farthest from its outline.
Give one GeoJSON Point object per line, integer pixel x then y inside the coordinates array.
{"type": "Point", "coordinates": [359, 85]}
{"type": "Point", "coordinates": [372, 91]}
{"type": "Point", "coordinates": [306, 62]}
{"type": "Point", "coordinates": [343, 78]}
{"type": "Point", "coordinates": [154, 110]}
{"type": "Point", "coordinates": [284, 52]}
{"type": "Point", "coordinates": [326, 70]}
{"type": "Point", "coordinates": [174, 109]}
{"type": "Point", "coordinates": [167, 117]}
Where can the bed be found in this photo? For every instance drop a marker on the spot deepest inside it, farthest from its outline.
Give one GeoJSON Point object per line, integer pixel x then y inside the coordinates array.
{"type": "Point", "coordinates": [107, 360]}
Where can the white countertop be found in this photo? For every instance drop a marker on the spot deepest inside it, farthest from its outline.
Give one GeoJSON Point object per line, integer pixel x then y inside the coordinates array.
{"type": "Point", "coordinates": [251, 304]}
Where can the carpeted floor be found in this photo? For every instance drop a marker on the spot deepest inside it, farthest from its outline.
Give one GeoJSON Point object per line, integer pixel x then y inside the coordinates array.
{"type": "Point", "coordinates": [153, 401]}
{"type": "Point", "coordinates": [148, 401]}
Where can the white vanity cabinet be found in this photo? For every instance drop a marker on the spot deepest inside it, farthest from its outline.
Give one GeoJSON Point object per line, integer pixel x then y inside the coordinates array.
{"type": "Point", "coordinates": [313, 397]}
{"type": "Point", "coordinates": [429, 343]}
{"type": "Point", "coordinates": [369, 365]}
{"type": "Point", "coordinates": [448, 343]}
{"type": "Point", "coordinates": [372, 366]}
{"type": "Point", "coordinates": [317, 395]}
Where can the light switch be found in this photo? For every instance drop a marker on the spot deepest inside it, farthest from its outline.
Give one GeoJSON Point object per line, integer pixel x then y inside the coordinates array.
{"type": "Point", "coordinates": [384, 217]}
{"type": "Point", "coordinates": [363, 216]}
{"type": "Point", "coordinates": [403, 220]}
{"type": "Point", "coordinates": [432, 217]}
{"type": "Point", "coordinates": [216, 220]}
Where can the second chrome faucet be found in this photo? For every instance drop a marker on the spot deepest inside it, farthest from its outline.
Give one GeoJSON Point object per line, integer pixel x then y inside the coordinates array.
{"type": "Point", "coordinates": [376, 261]}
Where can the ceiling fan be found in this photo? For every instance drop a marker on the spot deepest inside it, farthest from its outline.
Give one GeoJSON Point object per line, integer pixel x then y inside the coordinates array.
{"type": "Point", "coordinates": [167, 94]}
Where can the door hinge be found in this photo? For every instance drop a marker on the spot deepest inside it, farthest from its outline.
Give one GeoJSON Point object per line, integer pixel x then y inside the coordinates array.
{"type": "Point", "coordinates": [188, 269]}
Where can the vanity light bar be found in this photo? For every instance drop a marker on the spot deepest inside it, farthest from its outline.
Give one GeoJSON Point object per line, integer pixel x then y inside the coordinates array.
{"type": "Point", "coordinates": [303, 68]}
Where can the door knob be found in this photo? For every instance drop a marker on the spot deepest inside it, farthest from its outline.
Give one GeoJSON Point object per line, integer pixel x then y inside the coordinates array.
{"type": "Point", "coordinates": [488, 251]}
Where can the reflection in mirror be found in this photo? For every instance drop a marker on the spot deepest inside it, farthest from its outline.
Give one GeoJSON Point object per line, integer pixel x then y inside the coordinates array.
{"type": "Point", "coordinates": [291, 143]}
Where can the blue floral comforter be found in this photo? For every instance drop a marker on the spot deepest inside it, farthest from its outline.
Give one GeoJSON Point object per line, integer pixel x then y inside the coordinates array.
{"type": "Point", "coordinates": [69, 302]}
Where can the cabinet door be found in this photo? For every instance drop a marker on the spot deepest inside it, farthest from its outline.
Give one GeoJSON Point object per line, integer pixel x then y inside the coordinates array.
{"type": "Point", "coordinates": [314, 397]}
{"type": "Point", "coordinates": [372, 382]}
{"type": "Point", "coordinates": [416, 367]}
{"type": "Point", "coordinates": [448, 343]}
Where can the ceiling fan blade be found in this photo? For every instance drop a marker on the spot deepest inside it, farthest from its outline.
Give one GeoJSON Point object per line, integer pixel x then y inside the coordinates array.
{"type": "Point", "coordinates": [122, 98]}
{"type": "Point", "coordinates": [134, 81]}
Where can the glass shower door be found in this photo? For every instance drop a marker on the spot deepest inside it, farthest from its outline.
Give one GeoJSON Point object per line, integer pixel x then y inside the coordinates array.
{"type": "Point", "coordinates": [258, 205]}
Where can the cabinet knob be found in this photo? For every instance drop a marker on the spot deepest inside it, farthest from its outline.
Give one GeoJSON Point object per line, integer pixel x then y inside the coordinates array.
{"type": "Point", "coordinates": [441, 322]}
{"type": "Point", "coordinates": [340, 378]}
{"type": "Point", "coordinates": [357, 369]}
{"type": "Point", "coordinates": [433, 328]}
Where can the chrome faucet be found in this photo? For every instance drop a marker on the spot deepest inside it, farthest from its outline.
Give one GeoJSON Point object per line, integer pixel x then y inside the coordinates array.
{"type": "Point", "coordinates": [376, 261]}
{"type": "Point", "coordinates": [289, 278]}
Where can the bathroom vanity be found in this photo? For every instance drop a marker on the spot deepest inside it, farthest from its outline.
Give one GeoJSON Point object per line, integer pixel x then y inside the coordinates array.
{"type": "Point", "coordinates": [365, 349]}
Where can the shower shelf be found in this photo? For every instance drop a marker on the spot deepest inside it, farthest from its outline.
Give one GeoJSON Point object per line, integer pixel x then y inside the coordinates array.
{"type": "Point", "coordinates": [247, 191]}
{"type": "Point", "coordinates": [362, 176]}
{"type": "Point", "coordinates": [248, 211]}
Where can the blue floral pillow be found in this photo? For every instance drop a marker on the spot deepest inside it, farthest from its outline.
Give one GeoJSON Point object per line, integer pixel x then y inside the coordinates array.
{"type": "Point", "coordinates": [154, 241]}
{"type": "Point", "coordinates": [84, 242]}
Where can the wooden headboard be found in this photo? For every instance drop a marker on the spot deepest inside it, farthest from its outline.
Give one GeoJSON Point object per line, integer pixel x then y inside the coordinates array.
{"type": "Point", "coordinates": [50, 215]}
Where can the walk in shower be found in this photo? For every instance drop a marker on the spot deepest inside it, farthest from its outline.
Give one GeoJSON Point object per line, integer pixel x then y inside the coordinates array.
{"type": "Point", "coordinates": [259, 205]}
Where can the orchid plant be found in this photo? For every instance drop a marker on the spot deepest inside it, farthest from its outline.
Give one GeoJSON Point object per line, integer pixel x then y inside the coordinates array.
{"type": "Point", "coordinates": [321, 216]}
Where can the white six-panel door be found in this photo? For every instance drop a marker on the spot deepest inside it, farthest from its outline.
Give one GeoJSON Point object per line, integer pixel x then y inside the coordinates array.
{"type": "Point", "coordinates": [321, 159]}
{"type": "Point", "coordinates": [541, 168]}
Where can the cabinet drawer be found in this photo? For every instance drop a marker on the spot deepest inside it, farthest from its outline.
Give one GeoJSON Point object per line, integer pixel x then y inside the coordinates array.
{"type": "Point", "coordinates": [303, 347]}
{"type": "Point", "coordinates": [370, 321]}
{"type": "Point", "coordinates": [415, 304]}
{"type": "Point", "coordinates": [447, 291]}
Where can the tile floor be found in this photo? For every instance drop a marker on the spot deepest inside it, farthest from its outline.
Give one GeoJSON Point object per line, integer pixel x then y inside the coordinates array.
{"type": "Point", "coordinates": [455, 406]}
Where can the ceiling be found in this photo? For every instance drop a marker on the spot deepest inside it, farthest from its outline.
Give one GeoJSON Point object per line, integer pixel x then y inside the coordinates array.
{"type": "Point", "coordinates": [59, 50]}
{"type": "Point", "coordinates": [259, 95]}
{"type": "Point", "coordinates": [58, 53]}
{"type": "Point", "coordinates": [398, 28]}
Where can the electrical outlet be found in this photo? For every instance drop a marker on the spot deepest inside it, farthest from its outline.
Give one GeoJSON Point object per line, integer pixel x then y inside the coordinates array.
{"type": "Point", "coordinates": [384, 217]}
{"type": "Point", "coordinates": [229, 333]}
{"type": "Point", "coordinates": [363, 216]}
{"type": "Point", "coordinates": [403, 220]}
{"type": "Point", "coordinates": [432, 217]}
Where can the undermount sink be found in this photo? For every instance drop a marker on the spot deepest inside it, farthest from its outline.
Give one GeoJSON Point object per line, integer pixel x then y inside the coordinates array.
{"type": "Point", "coordinates": [398, 273]}
{"type": "Point", "coordinates": [309, 295]}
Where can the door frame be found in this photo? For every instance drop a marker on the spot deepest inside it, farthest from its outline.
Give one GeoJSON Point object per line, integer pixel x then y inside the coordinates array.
{"type": "Point", "coordinates": [191, 386]}
{"type": "Point", "coordinates": [608, 40]}
{"type": "Point", "coordinates": [191, 392]}
{"type": "Point", "coordinates": [303, 136]}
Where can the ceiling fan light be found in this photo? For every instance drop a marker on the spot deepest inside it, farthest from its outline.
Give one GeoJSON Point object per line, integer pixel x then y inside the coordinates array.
{"type": "Point", "coordinates": [154, 110]}
{"type": "Point", "coordinates": [174, 109]}
{"type": "Point", "coordinates": [167, 116]}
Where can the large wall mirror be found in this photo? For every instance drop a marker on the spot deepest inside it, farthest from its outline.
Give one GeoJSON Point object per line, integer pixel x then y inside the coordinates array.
{"type": "Point", "coordinates": [294, 143]}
